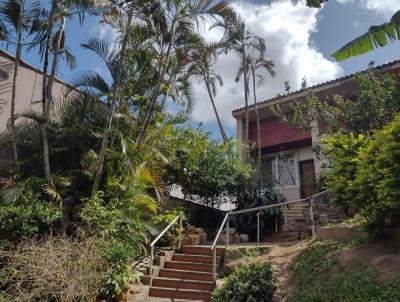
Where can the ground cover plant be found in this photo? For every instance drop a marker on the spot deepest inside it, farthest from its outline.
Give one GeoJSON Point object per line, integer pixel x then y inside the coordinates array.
{"type": "Point", "coordinates": [320, 276]}
{"type": "Point", "coordinates": [253, 282]}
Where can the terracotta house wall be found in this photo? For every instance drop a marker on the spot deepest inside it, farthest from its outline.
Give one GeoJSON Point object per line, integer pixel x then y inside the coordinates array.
{"type": "Point", "coordinates": [29, 89]}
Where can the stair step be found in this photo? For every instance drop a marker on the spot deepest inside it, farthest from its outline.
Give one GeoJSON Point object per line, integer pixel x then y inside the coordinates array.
{"type": "Point", "coordinates": [183, 284]}
{"type": "Point", "coordinates": [184, 274]}
{"type": "Point", "coordinates": [194, 258]}
{"type": "Point", "coordinates": [200, 250]}
{"type": "Point", "coordinates": [180, 293]}
{"type": "Point", "coordinates": [189, 266]}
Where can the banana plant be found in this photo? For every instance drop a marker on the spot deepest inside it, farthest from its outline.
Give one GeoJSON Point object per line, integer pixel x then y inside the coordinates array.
{"type": "Point", "coordinates": [376, 37]}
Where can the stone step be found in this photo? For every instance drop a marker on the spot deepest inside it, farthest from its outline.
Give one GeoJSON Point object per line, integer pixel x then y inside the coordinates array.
{"type": "Point", "coordinates": [194, 258]}
{"type": "Point", "coordinates": [183, 284]}
{"type": "Point", "coordinates": [200, 250]}
{"type": "Point", "coordinates": [189, 266]}
{"type": "Point", "coordinates": [173, 293]}
{"type": "Point", "coordinates": [185, 275]}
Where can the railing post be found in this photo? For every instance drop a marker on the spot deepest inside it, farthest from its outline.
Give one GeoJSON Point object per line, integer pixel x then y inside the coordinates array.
{"type": "Point", "coordinates": [312, 219]}
{"type": "Point", "coordinates": [214, 268]}
{"type": "Point", "coordinates": [227, 232]}
{"type": "Point", "coordinates": [284, 214]}
{"type": "Point", "coordinates": [258, 227]}
{"type": "Point", "coordinates": [151, 260]}
{"type": "Point", "coordinates": [180, 228]}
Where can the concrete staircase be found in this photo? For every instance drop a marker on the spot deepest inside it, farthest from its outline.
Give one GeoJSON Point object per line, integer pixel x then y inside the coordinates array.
{"type": "Point", "coordinates": [186, 277]}
{"type": "Point", "coordinates": [298, 225]}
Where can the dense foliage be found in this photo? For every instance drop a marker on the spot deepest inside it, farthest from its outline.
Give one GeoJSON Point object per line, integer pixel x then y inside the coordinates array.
{"type": "Point", "coordinates": [205, 168]}
{"type": "Point", "coordinates": [377, 102]}
{"type": "Point", "coordinates": [27, 216]}
{"type": "Point", "coordinates": [318, 276]}
{"type": "Point", "coordinates": [365, 174]}
{"type": "Point", "coordinates": [253, 282]}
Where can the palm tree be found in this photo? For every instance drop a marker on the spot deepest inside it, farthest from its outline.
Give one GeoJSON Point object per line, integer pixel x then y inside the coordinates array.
{"type": "Point", "coordinates": [238, 39]}
{"type": "Point", "coordinates": [202, 58]}
{"type": "Point", "coordinates": [59, 13]}
{"type": "Point", "coordinates": [17, 23]}
{"type": "Point", "coordinates": [175, 24]}
{"type": "Point", "coordinates": [258, 63]}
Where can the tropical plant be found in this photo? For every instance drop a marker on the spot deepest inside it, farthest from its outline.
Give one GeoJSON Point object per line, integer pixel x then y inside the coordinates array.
{"type": "Point", "coordinates": [239, 39]}
{"type": "Point", "coordinates": [202, 58]}
{"type": "Point", "coordinates": [18, 19]}
{"type": "Point", "coordinates": [252, 282]}
{"type": "Point", "coordinates": [175, 24]}
{"type": "Point", "coordinates": [377, 36]}
{"type": "Point", "coordinates": [255, 62]}
{"type": "Point", "coordinates": [60, 12]}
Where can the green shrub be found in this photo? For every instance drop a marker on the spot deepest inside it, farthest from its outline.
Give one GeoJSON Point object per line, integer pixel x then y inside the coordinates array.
{"type": "Point", "coordinates": [122, 223]}
{"type": "Point", "coordinates": [27, 216]}
{"type": "Point", "coordinates": [343, 148]}
{"type": "Point", "coordinates": [252, 282]}
{"type": "Point", "coordinates": [366, 175]}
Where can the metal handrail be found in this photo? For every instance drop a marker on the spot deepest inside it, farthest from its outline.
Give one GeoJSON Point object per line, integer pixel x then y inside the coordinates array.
{"type": "Point", "coordinates": [214, 245]}
{"type": "Point", "coordinates": [152, 244]}
{"type": "Point", "coordinates": [258, 209]}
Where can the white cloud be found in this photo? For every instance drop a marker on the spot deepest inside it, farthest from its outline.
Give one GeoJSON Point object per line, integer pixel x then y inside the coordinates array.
{"type": "Point", "coordinates": [103, 31]}
{"type": "Point", "coordinates": [286, 28]}
{"type": "Point", "coordinates": [383, 7]}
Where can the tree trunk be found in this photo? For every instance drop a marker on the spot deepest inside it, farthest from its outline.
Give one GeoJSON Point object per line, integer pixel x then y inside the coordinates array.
{"type": "Point", "coordinates": [258, 132]}
{"type": "Point", "coordinates": [246, 102]}
{"type": "Point", "coordinates": [45, 98]}
{"type": "Point", "coordinates": [13, 97]}
{"type": "Point", "coordinates": [221, 127]}
{"type": "Point", "coordinates": [107, 130]}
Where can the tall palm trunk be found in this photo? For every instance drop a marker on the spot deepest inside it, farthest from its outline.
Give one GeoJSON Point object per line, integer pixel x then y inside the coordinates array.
{"type": "Point", "coordinates": [246, 104]}
{"type": "Point", "coordinates": [258, 130]}
{"type": "Point", "coordinates": [107, 129]}
{"type": "Point", "coordinates": [45, 98]}
{"type": "Point", "coordinates": [221, 127]}
{"type": "Point", "coordinates": [13, 97]}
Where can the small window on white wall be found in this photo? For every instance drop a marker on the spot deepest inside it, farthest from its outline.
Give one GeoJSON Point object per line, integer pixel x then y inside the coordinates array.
{"type": "Point", "coordinates": [279, 170]}
{"type": "Point", "coordinates": [287, 169]}
{"type": "Point", "coordinates": [3, 75]}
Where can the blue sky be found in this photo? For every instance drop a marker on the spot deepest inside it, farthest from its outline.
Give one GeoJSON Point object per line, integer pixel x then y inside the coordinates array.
{"type": "Point", "coordinates": [300, 41]}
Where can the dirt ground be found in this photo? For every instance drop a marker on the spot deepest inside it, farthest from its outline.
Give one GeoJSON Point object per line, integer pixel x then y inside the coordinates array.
{"type": "Point", "coordinates": [281, 257]}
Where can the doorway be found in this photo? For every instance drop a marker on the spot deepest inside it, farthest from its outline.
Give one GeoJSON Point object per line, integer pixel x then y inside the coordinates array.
{"type": "Point", "coordinates": [307, 178]}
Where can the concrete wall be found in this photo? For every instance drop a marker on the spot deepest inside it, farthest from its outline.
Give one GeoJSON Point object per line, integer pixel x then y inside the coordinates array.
{"type": "Point", "coordinates": [29, 89]}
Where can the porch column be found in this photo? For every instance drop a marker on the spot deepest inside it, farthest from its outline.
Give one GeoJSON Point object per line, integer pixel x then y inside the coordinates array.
{"type": "Point", "coordinates": [240, 125]}
{"type": "Point", "coordinates": [318, 158]}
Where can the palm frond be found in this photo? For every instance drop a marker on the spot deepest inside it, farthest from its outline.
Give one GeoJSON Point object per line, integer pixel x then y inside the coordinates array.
{"type": "Point", "coordinates": [91, 80]}
{"type": "Point", "coordinates": [315, 3]}
{"type": "Point", "coordinates": [108, 52]}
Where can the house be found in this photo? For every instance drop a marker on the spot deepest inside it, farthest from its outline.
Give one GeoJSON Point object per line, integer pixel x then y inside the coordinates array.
{"type": "Point", "coordinates": [288, 157]}
{"type": "Point", "coordinates": [29, 88]}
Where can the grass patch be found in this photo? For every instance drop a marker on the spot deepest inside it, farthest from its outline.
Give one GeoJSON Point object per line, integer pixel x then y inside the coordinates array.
{"type": "Point", "coordinates": [320, 278]}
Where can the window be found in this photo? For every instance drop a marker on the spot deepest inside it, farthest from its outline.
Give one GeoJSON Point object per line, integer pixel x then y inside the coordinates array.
{"type": "Point", "coordinates": [279, 169]}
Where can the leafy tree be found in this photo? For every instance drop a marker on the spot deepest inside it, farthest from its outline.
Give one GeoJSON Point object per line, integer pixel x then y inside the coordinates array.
{"type": "Point", "coordinates": [206, 169]}
{"type": "Point", "coordinates": [377, 102]}
{"type": "Point", "coordinates": [18, 18]}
